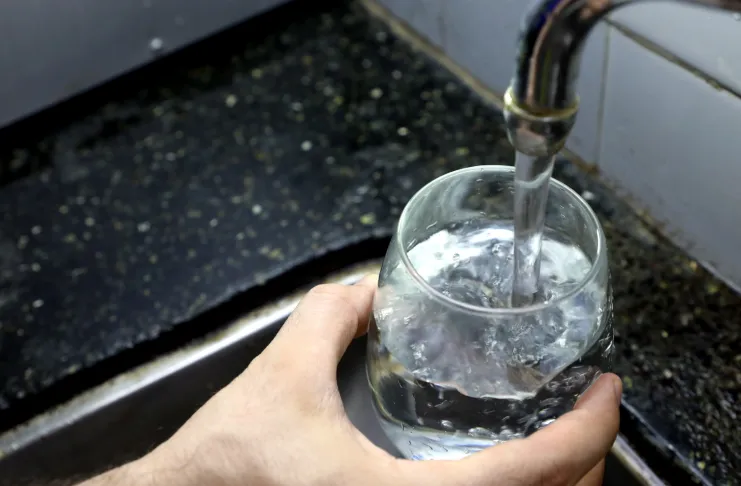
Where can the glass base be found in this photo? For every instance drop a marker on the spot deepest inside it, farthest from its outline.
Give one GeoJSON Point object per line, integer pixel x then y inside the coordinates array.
{"type": "Point", "coordinates": [422, 444]}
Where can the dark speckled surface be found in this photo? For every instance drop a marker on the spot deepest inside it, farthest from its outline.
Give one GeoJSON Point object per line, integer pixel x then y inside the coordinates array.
{"type": "Point", "coordinates": [229, 169]}
{"type": "Point", "coordinates": [215, 179]}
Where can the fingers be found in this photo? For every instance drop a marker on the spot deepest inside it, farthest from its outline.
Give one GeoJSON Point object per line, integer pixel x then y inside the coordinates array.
{"type": "Point", "coordinates": [559, 454]}
{"type": "Point", "coordinates": [568, 449]}
{"type": "Point", "coordinates": [325, 322]}
{"type": "Point", "coordinates": [369, 282]}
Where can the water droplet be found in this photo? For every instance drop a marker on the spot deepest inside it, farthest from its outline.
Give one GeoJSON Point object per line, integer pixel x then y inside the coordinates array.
{"type": "Point", "coordinates": [737, 17]}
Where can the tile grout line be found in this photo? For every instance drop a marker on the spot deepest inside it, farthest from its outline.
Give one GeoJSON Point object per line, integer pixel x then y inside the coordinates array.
{"type": "Point", "coordinates": [667, 55]}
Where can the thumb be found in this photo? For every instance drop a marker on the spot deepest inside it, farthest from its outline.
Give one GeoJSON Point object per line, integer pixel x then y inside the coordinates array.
{"type": "Point", "coordinates": [324, 323]}
{"type": "Point", "coordinates": [560, 454]}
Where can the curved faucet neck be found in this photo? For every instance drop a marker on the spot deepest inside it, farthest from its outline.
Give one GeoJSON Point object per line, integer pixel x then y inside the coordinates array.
{"type": "Point", "coordinates": [541, 103]}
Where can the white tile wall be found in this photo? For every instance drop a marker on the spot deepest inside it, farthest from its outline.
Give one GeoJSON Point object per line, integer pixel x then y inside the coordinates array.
{"type": "Point", "coordinates": [659, 132]}
{"type": "Point", "coordinates": [709, 40]}
{"type": "Point", "coordinates": [672, 142]}
{"type": "Point", "coordinates": [480, 35]}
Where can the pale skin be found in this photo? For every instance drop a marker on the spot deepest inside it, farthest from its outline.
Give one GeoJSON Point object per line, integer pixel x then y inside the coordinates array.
{"type": "Point", "coordinates": [282, 423]}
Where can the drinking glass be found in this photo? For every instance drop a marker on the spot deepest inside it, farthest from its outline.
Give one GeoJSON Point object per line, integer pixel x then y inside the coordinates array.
{"type": "Point", "coordinates": [452, 367]}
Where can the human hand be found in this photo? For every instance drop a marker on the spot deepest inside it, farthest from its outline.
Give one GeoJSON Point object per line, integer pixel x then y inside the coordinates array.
{"type": "Point", "coordinates": [282, 423]}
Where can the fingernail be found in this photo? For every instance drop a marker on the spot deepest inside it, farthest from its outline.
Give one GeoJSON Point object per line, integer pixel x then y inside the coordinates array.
{"type": "Point", "coordinates": [618, 386]}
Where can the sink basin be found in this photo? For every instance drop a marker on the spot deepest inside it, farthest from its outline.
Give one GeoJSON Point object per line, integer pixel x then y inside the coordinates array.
{"type": "Point", "coordinates": [129, 415]}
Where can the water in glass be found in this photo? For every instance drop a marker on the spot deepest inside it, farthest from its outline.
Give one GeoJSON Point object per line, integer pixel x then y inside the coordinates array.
{"type": "Point", "coordinates": [453, 366]}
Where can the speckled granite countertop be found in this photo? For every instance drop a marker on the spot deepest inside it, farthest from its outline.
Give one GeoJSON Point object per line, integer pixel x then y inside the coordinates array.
{"type": "Point", "coordinates": [166, 194]}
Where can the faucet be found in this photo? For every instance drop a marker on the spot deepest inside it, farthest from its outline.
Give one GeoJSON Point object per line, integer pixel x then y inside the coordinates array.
{"type": "Point", "coordinates": [541, 103]}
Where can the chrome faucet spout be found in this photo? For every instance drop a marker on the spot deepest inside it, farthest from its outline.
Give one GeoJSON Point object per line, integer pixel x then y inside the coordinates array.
{"type": "Point", "coordinates": [541, 103]}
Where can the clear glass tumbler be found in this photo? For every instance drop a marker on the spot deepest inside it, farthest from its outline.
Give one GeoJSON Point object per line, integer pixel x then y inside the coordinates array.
{"type": "Point", "coordinates": [452, 368]}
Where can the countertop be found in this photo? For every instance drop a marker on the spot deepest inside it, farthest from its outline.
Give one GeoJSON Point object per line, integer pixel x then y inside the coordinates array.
{"type": "Point", "coordinates": [130, 212]}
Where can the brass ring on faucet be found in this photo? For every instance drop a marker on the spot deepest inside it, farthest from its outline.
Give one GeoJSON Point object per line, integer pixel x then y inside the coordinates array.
{"type": "Point", "coordinates": [514, 107]}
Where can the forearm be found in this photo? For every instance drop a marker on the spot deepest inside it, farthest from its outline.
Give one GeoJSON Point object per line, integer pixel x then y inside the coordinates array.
{"type": "Point", "coordinates": [180, 461]}
{"type": "Point", "coordinates": [114, 477]}
{"type": "Point", "coordinates": [132, 474]}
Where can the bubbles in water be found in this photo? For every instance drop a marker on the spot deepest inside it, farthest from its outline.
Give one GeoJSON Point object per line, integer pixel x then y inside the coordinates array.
{"type": "Point", "coordinates": [447, 382]}
{"type": "Point", "coordinates": [481, 432]}
{"type": "Point", "coordinates": [498, 356]}
{"type": "Point", "coordinates": [447, 424]}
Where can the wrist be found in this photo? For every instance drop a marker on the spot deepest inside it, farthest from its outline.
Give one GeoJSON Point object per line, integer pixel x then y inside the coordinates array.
{"type": "Point", "coordinates": [159, 468]}
{"type": "Point", "coordinates": [154, 469]}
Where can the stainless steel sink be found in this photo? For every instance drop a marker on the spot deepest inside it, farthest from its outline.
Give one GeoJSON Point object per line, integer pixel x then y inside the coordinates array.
{"type": "Point", "coordinates": [131, 414]}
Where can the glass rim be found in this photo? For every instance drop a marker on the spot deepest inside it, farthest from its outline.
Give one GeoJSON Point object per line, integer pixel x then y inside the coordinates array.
{"type": "Point", "coordinates": [513, 311]}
